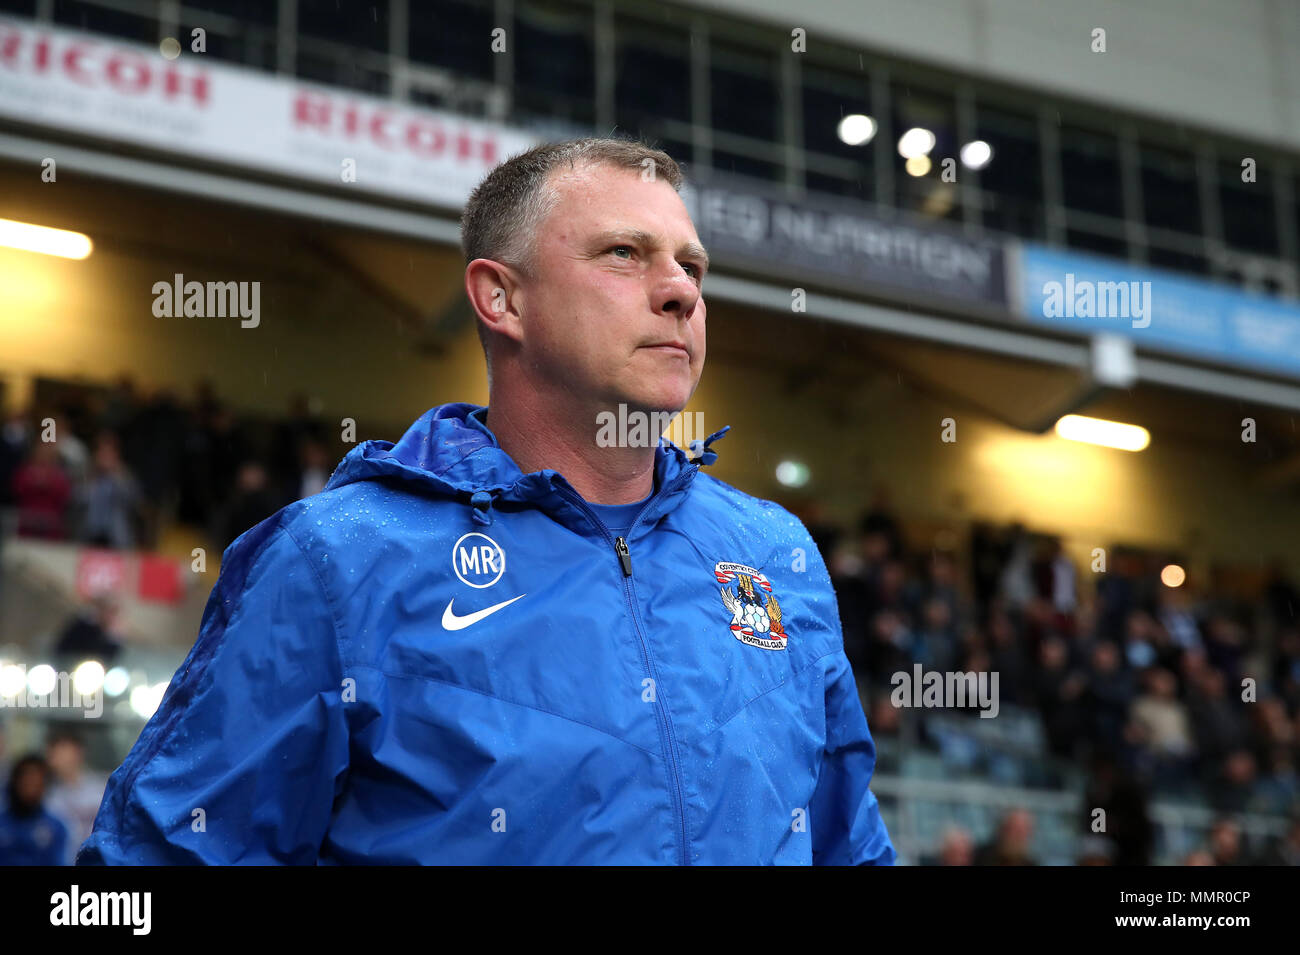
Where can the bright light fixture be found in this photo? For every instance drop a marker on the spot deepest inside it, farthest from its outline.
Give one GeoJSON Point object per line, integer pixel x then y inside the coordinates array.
{"type": "Point", "coordinates": [41, 679]}
{"type": "Point", "coordinates": [917, 165]}
{"type": "Point", "coordinates": [856, 129]}
{"type": "Point", "coordinates": [46, 241]}
{"type": "Point", "coordinates": [976, 154]}
{"type": "Point", "coordinates": [145, 699]}
{"type": "Point", "coordinates": [1171, 575]}
{"type": "Point", "coordinates": [792, 473]}
{"type": "Point", "coordinates": [12, 680]}
{"type": "Point", "coordinates": [116, 681]}
{"type": "Point", "coordinates": [88, 678]}
{"type": "Point", "coordinates": [1110, 434]}
{"type": "Point", "coordinates": [915, 142]}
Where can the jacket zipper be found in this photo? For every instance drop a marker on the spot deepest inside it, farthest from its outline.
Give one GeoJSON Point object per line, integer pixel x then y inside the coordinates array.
{"type": "Point", "coordinates": [665, 727]}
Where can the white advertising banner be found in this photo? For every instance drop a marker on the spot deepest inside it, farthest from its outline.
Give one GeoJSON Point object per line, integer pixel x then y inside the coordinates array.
{"type": "Point", "coordinates": [198, 107]}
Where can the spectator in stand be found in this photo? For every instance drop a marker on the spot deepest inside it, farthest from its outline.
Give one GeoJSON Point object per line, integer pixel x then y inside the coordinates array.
{"type": "Point", "coordinates": [1058, 692]}
{"type": "Point", "coordinates": [1109, 693]}
{"type": "Point", "coordinates": [1281, 598]}
{"type": "Point", "coordinates": [1176, 615]}
{"type": "Point", "coordinates": [314, 470]}
{"type": "Point", "coordinates": [1287, 850]}
{"type": "Point", "coordinates": [252, 502]}
{"type": "Point", "coordinates": [120, 406]}
{"type": "Point", "coordinates": [936, 642]}
{"type": "Point", "coordinates": [41, 491]}
{"type": "Point", "coordinates": [90, 634]}
{"type": "Point", "coordinates": [109, 501]}
{"type": "Point", "coordinates": [956, 848]}
{"type": "Point", "coordinates": [890, 649]}
{"type": "Point", "coordinates": [1010, 844]}
{"type": "Point", "coordinates": [1160, 726]}
{"type": "Point", "coordinates": [29, 833]}
{"type": "Point", "coordinates": [1217, 722]}
{"type": "Point", "coordinates": [1007, 658]}
{"type": "Point", "coordinates": [1016, 581]}
{"type": "Point", "coordinates": [1233, 788]}
{"type": "Point", "coordinates": [1139, 641]}
{"type": "Point", "coordinates": [153, 446]}
{"type": "Point", "coordinates": [301, 425]}
{"type": "Point", "coordinates": [1225, 645]}
{"type": "Point", "coordinates": [226, 447]}
{"type": "Point", "coordinates": [1286, 668]}
{"type": "Point", "coordinates": [76, 791]}
{"type": "Point", "coordinates": [1123, 799]}
{"type": "Point", "coordinates": [1096, 849]}
{"type": "Point", "coordinates": [1278, 791]}
{"type": "Point", "coordinates": [1060, 584]}
{"type": "Point", "coordinates": [880, 521]}
{"type": "Point", "coordinates": [1225, 843]}
{"type": "Point", "coordinates": [15, 439]}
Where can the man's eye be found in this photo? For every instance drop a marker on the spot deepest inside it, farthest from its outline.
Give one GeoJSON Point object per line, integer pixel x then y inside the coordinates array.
{"type": "Point", "coordinates": [692, 269]}
{"type": "Point", "coordinates": [622, 248]}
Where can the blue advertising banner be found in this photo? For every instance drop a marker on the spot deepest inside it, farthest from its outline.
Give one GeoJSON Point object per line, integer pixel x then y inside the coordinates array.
{"type": "Point", "coordinates": [1158, 309]}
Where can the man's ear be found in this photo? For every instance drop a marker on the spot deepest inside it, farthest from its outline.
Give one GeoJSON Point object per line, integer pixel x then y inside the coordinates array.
{"type": "Point", "coordinates": [493, 292]}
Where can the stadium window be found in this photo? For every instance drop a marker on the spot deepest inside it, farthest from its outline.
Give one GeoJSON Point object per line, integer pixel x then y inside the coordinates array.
{"type": "Point", "coordinates": [1090, 173]}
{"type": "Point", "coordinates": [94, 18]}
{"type": "Point", "coordinates": [1177, 260]}
{"type": "Point", "coordinates": [862, 187]}
{"type": "Point", "coordinates": [1171, 197]}
{"type": "Point", "coordinates": [1247, 208]}
{"type": "Point", "coordinates": [743, 85]}
{"type": "Point", "coordinates": [555, 55]}
{"type": "Point", "coordinates": [915, 107]}
{"type": "Point", "coordinates": [743, 164]}
{"type": "Point", "coordinates": [833, 165]}
{"type": "Point", "coordinates": [1096, 243]}
{"type": "Point", "coordinates": [455, 35]}
{"type": "Point", "coordinates": [1294, 211]}
{"type": "Point", "coordinates": [244, 31]}
{"type": "Point", "coordinates": [359, 25]}
{"type": "Point", "coordinates": [248, 11]}
{"type": "Point", "coordinates": [652, 74]}
{"type": "Point", "coordinates": [345, 72]}
{"type": "Point", "coordinates": [247, 47]}
{"type": "Point", "coordinates": [1012, 182]}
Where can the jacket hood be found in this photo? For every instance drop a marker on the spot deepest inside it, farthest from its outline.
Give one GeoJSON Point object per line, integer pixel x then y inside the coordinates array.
{"type": "Point", "coordinates": [444, 454]}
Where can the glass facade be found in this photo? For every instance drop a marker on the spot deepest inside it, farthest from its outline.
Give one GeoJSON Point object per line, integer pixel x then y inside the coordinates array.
{"type": "Point", "coordinates": [732, 96]}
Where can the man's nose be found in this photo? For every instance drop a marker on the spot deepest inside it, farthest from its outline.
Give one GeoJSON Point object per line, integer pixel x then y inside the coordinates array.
{"type": "Point", "coordinates": [676, 292]}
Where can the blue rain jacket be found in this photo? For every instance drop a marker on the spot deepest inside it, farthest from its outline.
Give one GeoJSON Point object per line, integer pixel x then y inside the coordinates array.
{"type": "Point", "coordinates": [441, 659]}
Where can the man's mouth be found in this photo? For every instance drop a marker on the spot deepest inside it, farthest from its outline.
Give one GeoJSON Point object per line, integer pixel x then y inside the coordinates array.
{"type": "Point", "coordinates": [670, 348]}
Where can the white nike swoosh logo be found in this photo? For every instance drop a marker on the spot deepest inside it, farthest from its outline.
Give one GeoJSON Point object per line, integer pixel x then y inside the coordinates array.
{"type": "Point", "coordinates": [452, 622]}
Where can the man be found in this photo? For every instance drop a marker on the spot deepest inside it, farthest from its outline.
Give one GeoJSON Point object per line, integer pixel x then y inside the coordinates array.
{"type": "Point", "coordinates": [29, 833]}
{"type": "Point", "coordinates": [500, 640]}
{"type": "Point", "coordinates": [75, 791]}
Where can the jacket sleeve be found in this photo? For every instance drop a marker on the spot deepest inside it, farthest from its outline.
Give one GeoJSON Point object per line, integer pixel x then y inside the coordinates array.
{"type": "Point", "coordinates": [844, 816]}
{"type": "Point", "coordinates": [244, 757]}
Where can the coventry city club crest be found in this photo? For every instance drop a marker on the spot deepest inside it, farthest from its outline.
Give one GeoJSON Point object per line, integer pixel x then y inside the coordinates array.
{"type": "Point", "coordinates": [755, 614]}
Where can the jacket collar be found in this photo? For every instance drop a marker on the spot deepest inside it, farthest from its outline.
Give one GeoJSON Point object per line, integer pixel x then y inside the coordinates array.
{"type": "Point", "coordinates": [445, 453]}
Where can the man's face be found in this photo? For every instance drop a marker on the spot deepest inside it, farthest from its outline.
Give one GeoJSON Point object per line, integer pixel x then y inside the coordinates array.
{"type": "Point", "coordinates": [615, 285]}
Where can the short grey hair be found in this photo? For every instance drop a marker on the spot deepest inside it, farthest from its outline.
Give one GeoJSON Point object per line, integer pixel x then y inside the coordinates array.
{"type": "Point", "coordinates": [505, 210]}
